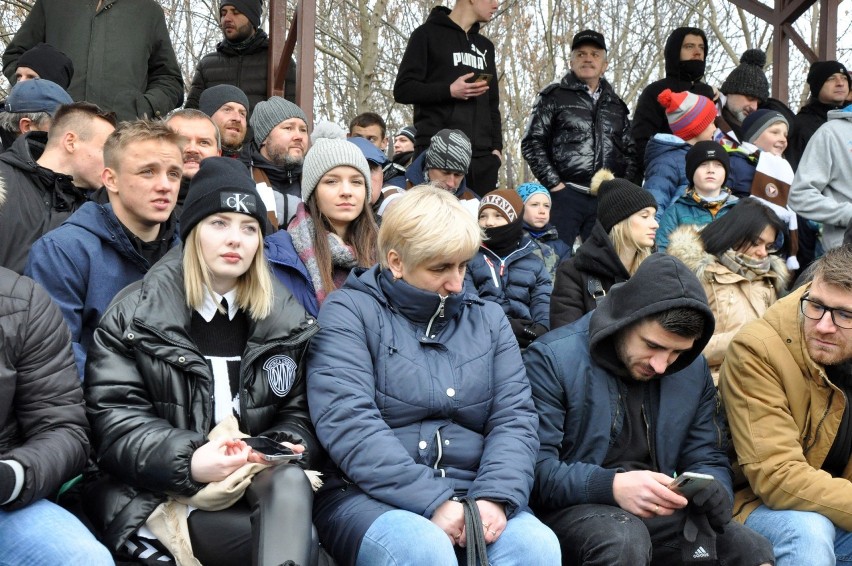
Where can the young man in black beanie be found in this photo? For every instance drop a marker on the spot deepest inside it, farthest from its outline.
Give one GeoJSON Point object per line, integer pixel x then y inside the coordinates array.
{"type": "Point", "coordinates": [241, 58]}
{"type": "Point", "coordinates": [228, 107]}
{"type": "Point", "coordinates": [626, 404]}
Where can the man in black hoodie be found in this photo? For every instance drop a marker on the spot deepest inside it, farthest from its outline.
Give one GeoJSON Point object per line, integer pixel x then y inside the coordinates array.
{"type": "Point", "coordinates": [626, 403]}
{"type": "Point", "coordinates": [685, 54]}
{"type": "Point", "coordinates": [449, 75]}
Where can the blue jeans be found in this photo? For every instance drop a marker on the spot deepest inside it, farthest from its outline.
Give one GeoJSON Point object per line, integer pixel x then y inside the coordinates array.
{"type": "Point", "coordinates": [402, 538]}
{"type": "Point", "coordinates": [44, 533]}
{"type": "Point", "coordinates": [802, 537]}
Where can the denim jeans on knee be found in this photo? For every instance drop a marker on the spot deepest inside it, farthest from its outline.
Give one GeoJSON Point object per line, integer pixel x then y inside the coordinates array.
{"type": "Point", "coordinates": [45, 534]}
{"type": "Point", "coordinates": [802, 537]}
{"type": "Point", "coordinates": [401, 538]}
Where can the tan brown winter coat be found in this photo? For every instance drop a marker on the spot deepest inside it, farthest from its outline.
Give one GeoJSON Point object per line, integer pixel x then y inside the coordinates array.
{"type": "Point", "coordinates": [733, 299]}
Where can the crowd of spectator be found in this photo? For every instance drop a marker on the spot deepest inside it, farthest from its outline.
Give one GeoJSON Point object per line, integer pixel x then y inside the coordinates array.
{"type": "Point", "coordinates": [232, 336]}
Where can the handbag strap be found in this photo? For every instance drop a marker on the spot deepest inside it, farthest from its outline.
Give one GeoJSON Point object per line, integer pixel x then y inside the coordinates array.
{"type": "Point", "coordinates": [474, 531]}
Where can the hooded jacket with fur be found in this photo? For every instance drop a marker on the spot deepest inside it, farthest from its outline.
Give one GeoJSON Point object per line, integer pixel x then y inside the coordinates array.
{"type": "Point", "coordinates": [577, 380]}
{"type": "Point", "coordinates": [734, 300]}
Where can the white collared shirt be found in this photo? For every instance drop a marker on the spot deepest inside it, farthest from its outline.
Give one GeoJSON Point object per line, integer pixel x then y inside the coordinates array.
{"type": "Point", "coordinates": [211, 303]}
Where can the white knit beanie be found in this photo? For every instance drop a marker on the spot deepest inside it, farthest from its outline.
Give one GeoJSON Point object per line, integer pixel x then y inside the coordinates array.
{"type": "Point", "coordinates": [325, 155]}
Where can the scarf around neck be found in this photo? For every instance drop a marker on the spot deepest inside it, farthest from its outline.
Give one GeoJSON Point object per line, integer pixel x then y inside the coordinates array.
{"type": "Point", "coordinates": [343, 259]}
{"type": "Point", "coordinates": [744, 265]}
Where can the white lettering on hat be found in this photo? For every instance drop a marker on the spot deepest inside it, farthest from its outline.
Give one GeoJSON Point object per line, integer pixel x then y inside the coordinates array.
{"type": "Point", "coordinates": [239, 202]}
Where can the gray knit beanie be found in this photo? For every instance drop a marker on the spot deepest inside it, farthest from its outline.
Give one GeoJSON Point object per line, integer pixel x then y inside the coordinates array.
{"type": "Point", "coordinates": [325, 155]}
{"type": "Point", "coordinates": [269, 113]}
{"type": "Point", "coordinates": [449, 150]}
{"type": "Point", "coordinates": [215, 97]}
{"type": "Point", "coordinates": [748, 77]}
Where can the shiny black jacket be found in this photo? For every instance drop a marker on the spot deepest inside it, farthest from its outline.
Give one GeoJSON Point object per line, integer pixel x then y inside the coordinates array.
{"type": "Point", "coordinates": [246, 68]}
{"type": "Point", "coordinates": [149, 395]}
{"type": "Point", "coordinates": [569, 136]}
{"type": "Point", "coordinates": [42, 420]}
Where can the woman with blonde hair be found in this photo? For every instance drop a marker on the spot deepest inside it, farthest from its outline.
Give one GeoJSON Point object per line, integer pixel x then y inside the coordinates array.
{"type": "Point", "coordinates": [202, 352]}
{"type": "Point", "coordinates": [419, 394]}
{"type": "Point", "coordinates": [334, 230]}
{"type": "Point", "coordinates": [621, 239]}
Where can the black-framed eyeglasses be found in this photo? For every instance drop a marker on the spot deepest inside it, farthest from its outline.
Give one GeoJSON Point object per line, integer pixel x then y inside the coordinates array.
{"type": "Point", "coordinates": [815, 311]}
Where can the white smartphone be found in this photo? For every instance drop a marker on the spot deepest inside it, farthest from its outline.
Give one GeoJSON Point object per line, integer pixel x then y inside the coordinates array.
{"type": "Point", "coordinates": [690, 483]}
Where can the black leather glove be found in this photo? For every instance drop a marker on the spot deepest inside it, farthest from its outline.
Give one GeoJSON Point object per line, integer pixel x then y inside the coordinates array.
{"type": "Point", "coordinates": [7, 481]}
{"type": "Point", "coordinates": [715, 503]}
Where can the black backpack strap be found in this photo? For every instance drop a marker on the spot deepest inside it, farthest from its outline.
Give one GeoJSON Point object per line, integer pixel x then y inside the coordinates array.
{"type": "Point", "coordinates": [475, 536]}
{"type": "Point", "coordinates": [595, 288]}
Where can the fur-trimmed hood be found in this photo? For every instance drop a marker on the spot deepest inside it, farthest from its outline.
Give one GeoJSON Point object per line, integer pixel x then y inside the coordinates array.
{"type": "Point", "coordinates": [686, 245]}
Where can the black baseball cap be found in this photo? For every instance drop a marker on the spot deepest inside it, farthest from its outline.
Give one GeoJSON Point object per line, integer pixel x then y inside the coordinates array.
{"type": "Point", "coordinates": [588, 36]}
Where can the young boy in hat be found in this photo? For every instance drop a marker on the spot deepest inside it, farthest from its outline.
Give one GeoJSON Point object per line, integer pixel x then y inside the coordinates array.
{"type": "Point", "coordinates": [507, 271]}
{"type": "Point", "coordinates": [691, 119]}
{"type": "Point", "coordinates": [536, 224]}
{"type": "Point", "coordinates": [706, 198]}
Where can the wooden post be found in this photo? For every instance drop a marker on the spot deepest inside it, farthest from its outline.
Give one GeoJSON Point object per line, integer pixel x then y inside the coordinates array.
{"type": "Point", "coordinates": [283, 40]}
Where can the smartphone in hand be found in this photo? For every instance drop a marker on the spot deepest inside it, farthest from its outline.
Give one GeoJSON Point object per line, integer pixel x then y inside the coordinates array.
{"type": "Point", "coordinates": [690, 483]}
{"type": "Point", "coordinates": [271, 451]}
{"type": "Point", "coordinates": [480, 77]}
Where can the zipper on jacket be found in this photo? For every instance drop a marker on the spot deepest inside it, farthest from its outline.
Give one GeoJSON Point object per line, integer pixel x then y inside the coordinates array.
{"type": "Point", "coordinates": [438, 313]}
{"type": "Point", "coordinates": [805, 446]}
{"type": "Point", "coordinates": [494, 273]}
{"type": "Point", "coordinates": [440, 451]}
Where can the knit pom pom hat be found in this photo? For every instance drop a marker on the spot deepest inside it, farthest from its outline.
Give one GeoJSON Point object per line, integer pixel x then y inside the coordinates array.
{"type": "Point", "coordinates": [748, 77]}
{"type": "Point", "coordinates": [688, 114]}
{"type": "Point", "coordinates": [618, 199]}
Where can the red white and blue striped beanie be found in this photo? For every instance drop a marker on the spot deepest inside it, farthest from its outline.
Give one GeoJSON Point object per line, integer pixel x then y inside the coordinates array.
{"type": "Point", "coordinates": [688, 114]}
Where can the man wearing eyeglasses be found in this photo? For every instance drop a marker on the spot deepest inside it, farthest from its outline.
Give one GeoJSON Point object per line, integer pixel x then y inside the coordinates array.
{"type": "Point", "coordinates": [785, 383]}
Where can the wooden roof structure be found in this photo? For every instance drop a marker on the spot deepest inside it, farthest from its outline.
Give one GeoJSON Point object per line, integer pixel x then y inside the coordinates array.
{"type": "Point", "coordinates": [302, 32]}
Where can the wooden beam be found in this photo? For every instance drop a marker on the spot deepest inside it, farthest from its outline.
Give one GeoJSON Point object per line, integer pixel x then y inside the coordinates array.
{"type": "Point", "coordinates": [780, 64]}
{"type": "Point", "coordinates": [792, 9]}
{"type": "Point", "coordinates": [806, 50]}
{"type": "Point", "coordinates": [279, 41]}
{"type": "Point", "coordinates": [306, 17]}
{"type": "Point", "coordinates": [827, 39]}
{"type": "Point", "coordinates": [283, 41]}
{"type": "Point", "coordinates": [762, 11]}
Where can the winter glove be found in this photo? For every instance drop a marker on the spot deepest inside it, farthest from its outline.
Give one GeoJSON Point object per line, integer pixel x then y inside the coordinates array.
{"type": "Point", "coordinates": [518, 325]}
{"type": "Point", "coordinates": [7, 482]}
{"type": "Point", "coordinates": [699, 539]}
{"type": "Point", "coordinates": [526, 330]}
{"type": "Point", "coordinates": [715, 503]}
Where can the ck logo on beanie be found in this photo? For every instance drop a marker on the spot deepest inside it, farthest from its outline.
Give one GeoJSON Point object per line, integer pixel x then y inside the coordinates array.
{"type": "Point", "coordinates": [280, 373]}
{"type": "Point", "coordinates": [238, 202]}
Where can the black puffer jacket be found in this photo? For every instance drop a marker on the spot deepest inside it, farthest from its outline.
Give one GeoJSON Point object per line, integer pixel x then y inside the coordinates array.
{"type": "Point", "coordinates": [149, 395]}
{"type": "Point", "coordinates": [246, 68]}
{"type": "Point", "coordinates": [569, 136]}
{"type": "Point", "coordinates": [42, 420]}
{"type": "Point", "coordinates": [39, 200]}
{"type": "Point", "coordinates": [595, 259]}
{"type": "Point", "coordinates": [650, 117]}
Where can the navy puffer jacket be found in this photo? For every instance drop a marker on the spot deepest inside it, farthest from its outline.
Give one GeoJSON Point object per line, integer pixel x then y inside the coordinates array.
{"type": "Point", "coordinates": [417, 399]}
{"type": "Point", "coordinates": [520, 282]}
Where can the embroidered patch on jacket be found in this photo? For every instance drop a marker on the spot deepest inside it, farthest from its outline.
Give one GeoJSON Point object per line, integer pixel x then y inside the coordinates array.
{"type": "Point", "coordinates": [281, 373]}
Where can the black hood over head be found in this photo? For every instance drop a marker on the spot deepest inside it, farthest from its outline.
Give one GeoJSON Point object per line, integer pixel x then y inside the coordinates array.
{"type": "Point", "coordinates": [689, 70]}
{"type": "Point", "coordinates": [661, 283]}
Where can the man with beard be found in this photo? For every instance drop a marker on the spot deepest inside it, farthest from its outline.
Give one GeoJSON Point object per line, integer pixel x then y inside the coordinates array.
{"type": "Point", "coordinates": [685, 54]}
{"type": "Point", "coordinates": [403, 155]}
{"type": "Point", "coordinates": [227, 106]}
{"type": "Point", "coordinates": [241, 58]}
{"type": "Point", "coordinates": [626, 403]}
{"type": "Point", "coordinates": [280, 143]}
{"type": "Point", "coordinates": [201, 140]}
{"type": "Point", "coordinates": [786, 384]}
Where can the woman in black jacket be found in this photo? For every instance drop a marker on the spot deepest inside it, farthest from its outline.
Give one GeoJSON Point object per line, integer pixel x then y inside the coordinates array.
{"type": "Point", "coordinates": [208, 341]}
{"type": "Point", "coordinates": [621, 239]}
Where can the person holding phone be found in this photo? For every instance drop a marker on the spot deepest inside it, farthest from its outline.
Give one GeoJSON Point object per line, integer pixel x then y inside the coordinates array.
{"type": "Point", "coordinates": [206, 341]}
{"type": "Point", "coordinates": [418, 392]}
{"type": "Point", "coordinates": [626, 402]}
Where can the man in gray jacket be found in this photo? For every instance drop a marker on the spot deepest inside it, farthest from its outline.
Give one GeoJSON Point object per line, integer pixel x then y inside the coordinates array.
{"type": "Point", "coordinates": [821, 190]}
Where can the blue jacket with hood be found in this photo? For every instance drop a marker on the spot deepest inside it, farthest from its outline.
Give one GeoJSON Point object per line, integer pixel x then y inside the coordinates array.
{"type": "Point", "coordinates": [417, 398]}
{"type": "Point", "coordinates": [577, 382]}
{"type": "Point", "coordinates": [665, 170]}
{"type": "Point", "coordinates": [83, 264]}
{"type": "Point", "coordinates": [520, 282]}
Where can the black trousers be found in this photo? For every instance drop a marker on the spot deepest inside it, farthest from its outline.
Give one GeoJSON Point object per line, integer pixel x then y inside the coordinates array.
{"type": "Point", "coordinates": [268, 526]}
{"type": "Point", "coordinates": [603, 535]}
{"type": "Point", "coordinates": [573, 214]}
